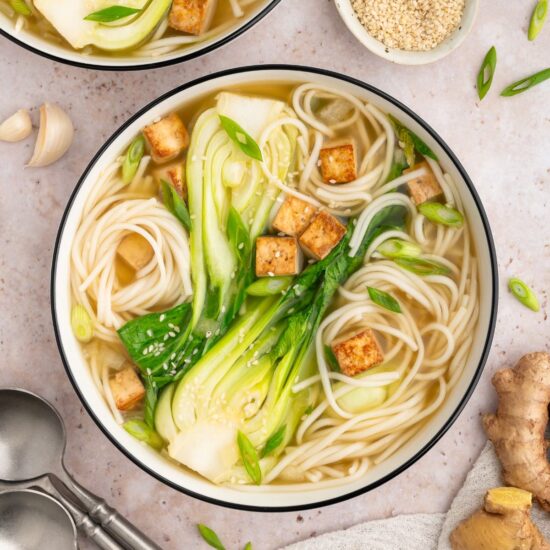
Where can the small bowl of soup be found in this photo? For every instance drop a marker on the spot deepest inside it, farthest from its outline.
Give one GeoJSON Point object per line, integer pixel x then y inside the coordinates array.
{"type": "Point", "coordinates": [127, 34]}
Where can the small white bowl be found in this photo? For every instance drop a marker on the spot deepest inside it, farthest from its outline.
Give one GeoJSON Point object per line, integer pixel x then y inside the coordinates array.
{"type": "Point", "coordinates": [403, 57]}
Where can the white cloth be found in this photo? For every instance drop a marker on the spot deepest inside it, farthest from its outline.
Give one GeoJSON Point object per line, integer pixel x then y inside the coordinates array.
{"type": "Point", "coordinates": [424, 531]}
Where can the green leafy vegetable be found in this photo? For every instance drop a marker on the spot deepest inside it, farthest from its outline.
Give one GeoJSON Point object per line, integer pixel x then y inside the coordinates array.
{"type": "Point", "coordinates": [411, 142]}
{"type": "Point", "coordinates": [422, 267]}
{"type": "Point", "coordinates": [175, 204]}
{"type": "Point", "coordinates": [524, 294]}
{"type": "Point", "coordinates": [399, 248]}
{"type": "Point", "coordinates": [250, 458]}
{"type": "Point", "coordinates": [537, 19]}
{"type": "Point", "coordinates": [112, 13]}
{"type": "Point", "coordinates": [486, 73]}
{"type": "Point", "coordinates": [20, 7]}
{"type": "Point", "coordinates": [210, 537]}
{"type": "Point", "coordinates": [383, 299]}
{"type": "Point", "coordinates": [81, 323]}
{"type": "Point", "coordinates": [274, 441]}
{"type": "Point", "coordinates": [133, 158]}
{"type": "Point", "coordinates": [245, 142]}
{"type": "Point", "coordinates": [526, 83]}
{"type": "Point", "coordinates": [441, 214]}
{"type": "Point", "coordinates": [269, 286]}
{"type": "Point", "coordinates": [143, 432]}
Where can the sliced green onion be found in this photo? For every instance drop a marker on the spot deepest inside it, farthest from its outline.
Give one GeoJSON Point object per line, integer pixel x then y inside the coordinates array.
{"type": "Point", "coordinates": [245, 142]}
{"type": "Point", "coordinates": [411, 142]}
{"type": "Point", "coordinates": [132, 159]}
{"type": "Point", "coordinates": [331, 358]}
{"type": "Point", "coordinates": [422, 267]}
{"type": "Point", "coordinates": [112, 13]}
{"type": "Point", "coordinates": [399, 248]}
{"type": "Point", "coordinates": [141, 431]}
{"type": "Point", "coordinates": [524, 294]}
{"type": "Point", "coordinates": [81, 322]}
{"type": "Point", "coordinates": [210, 537]}
{"type": "Point", "coordinates": [248, 546]}
{"type": "Point", "coordinates": [175, 204]}
{"type": "Point", "coordinates": [269, 286]}
{"type": "Point", "coordinates": [486, 73]}
{"type": "Point", "coordinates": [441, 214]}
{"type": "Point", "coordinates": [526, 83]}
{"type": "Point", "coordinates": [20, 7]}
{"type": "Point", "coordinates": [274, 441]}
{"type": "Point", "coordinates": [383, 299]}
{"type": "Point", "coordinates": [537, 19]}
{"type": "Point", "coordinates": [250, 458]}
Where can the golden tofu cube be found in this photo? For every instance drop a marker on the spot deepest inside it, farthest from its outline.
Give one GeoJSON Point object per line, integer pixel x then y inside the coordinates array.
{"type": "Point", "coordinates": [358, 353]}
{"type": "Point", "coordinates": [324, 233]}
{"type": "Point", "coordinates": [277, 256]}
{"type": "Point", "coordinates": [174, 174]}
{"type": "Point", "coordinates": [192, 16]}
{"type": "Point", "coordinates": [127, 388]}
{"type": "Point", "coordinates": [294, 216]}
{"type": "Point", "coordinates": [423, 188]}
{"type": "Point", "coordinates": [167, 138]}
{"type": "Point", "coordinates": [338, 163]}
{"type": "Point", "coordinates": [135, 251]}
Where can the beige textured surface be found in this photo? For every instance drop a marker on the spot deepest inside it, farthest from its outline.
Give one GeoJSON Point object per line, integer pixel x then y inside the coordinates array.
{"type": "Point", "coordinates": [503, 143]}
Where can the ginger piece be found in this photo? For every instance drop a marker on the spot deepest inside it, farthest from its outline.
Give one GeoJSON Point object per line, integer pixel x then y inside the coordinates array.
{"type": "Point", "coordinates": [517, 429]}
{"type": "Point", "coordinates": [504, 523]}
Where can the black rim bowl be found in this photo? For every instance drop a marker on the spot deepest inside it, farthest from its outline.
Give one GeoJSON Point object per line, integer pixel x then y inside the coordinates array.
{"type": "Point", "coordinates": [486, 347]}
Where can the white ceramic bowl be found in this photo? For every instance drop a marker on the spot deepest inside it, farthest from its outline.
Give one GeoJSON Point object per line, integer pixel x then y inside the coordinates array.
{"type": "Point", "coordinates": [407, 57]}
{"type": "Point", "coordinates": [279, 498]}
{"type": "Point", "coordinates": [63, 54]}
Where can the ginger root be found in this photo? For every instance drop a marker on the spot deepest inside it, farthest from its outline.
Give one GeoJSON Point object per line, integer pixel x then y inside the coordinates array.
{"type": "Point", "coordinates": [503, 524]}
{"type": "Point", "coordinates": [517, 429]}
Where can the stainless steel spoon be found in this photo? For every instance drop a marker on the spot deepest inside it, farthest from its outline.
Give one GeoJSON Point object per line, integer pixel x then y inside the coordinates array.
{"type": "Point", "coordinates": [30, 520]}
{"type": "Point", "coordinates": [32, 446]}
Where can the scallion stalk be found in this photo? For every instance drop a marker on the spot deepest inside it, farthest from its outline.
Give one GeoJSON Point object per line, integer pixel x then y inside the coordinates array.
{"type": "Point", "coordinates": [441, 214]}
{"type": "Point", "coordinates": [524, 294]}
{"type": "Point", "coordinates": [537, 19]}
{"type": "Point", "coordinates": [486, 73]}
{"type": "Point", "coordinates": [81, 323]}
{"type": "Point", "coordinates": [399, 248]}
{"type": "Point", "coordinates": [133, 158]}
{"type": "Point", "coordinates": [526, 83]}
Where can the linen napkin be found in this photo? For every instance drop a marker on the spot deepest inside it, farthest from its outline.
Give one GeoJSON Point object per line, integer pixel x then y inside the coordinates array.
{"type": "Point", "coordinates": [424, 531]}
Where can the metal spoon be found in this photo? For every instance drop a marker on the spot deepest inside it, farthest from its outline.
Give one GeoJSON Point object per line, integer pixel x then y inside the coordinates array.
{"type": "Point", "coordinates": [32, 446]}
{"type": "Point", "coordinates": [28, 518]}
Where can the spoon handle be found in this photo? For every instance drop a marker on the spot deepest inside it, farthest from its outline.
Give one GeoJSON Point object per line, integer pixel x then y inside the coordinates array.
{"type": "Point", "coordinates": [113, 522]}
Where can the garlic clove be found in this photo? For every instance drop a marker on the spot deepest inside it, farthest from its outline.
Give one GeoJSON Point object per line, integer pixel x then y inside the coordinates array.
{"type": "Point", "coordinates": [17, 127]}
{"type": "Point", "coordinates": [54, 137]}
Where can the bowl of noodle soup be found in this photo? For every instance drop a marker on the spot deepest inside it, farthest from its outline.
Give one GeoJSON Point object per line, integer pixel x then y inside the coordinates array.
{"type": "Point", "coordinates": [326, 432]}
{"type": "Point", "coordinates": [54, 31]}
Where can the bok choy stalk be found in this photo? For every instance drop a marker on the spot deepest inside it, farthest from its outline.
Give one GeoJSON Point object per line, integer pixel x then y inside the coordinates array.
{"type": "Point", "coordinates": [242, 387]}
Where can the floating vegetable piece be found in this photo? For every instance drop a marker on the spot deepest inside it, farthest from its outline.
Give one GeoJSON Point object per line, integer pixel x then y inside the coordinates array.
{"type": "Point", "coordinates": [132, 159]}
{"type": "Point", "coordinates": [17, 127]}
{"type": "Point", "coordinates": [524, 294]}
{"type": "Point", "coordinates": [21, 7]}
{"type": "Point", "coordinates": [54, 137]}
{"type": "Point", "coordinates": [411, 142]}
{"type": "Point", "coordinates": [210, 537]}
{"type": "Point", "coordinates": [175, 204]}
{"type": "Point", "coordinates": [486, 73]}
{"type": "Point", "coordinates": [383, 299]}
{"type": "Point", "coordinates": [112, 13]}
{"type": "Point", "coordinates": [141, 431]}
{"type": "Point", "coordinates": [269, 286]}
{"type": "Point", "coordinates": [399, 248]}
{"type": "Point", "coordinates": [537, 19]}
{"type": "Point", "coordinates": [526, 83]}
{"type": "Point", "coordinates": [274, 441]}
{"type": "Point", "coordinates": [82, 324]}
{"type": "Point", "coordinates": [422, 267]}
{"type": "Point", "coordinates": [441, 214]}
{"type": "Point", "coordinates": [250, 458]}
{"type": "Point", "coordinates": [244, 141]}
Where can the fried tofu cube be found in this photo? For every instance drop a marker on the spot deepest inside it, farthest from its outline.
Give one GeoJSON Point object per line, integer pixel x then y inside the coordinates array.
{"type": "Point", "coordinates": [174, 174]}
{"type": "Point", "coordinates": [294, 216]}
{"type": "Point", "coordinates": [167, 138]}
{"type": "Point", "coordinates": [358, 353]}
{"type": "Point", "coordinates": [127, 388]}
{"type": "Point", "coordinates": [324, 233]}
{"type": "Point", "coordinates": [192, 16]}
{"type": "Point", "coordinates": [135, 251]}
{"type": "Point", "coordinates": [277, 256]}
{"type": "Point", "coordinates": [423, 188]}
{"type": "Point", "coordinates": [338, 162]}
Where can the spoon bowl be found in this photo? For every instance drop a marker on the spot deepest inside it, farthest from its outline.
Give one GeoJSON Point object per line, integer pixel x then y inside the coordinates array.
{"type": "Point", "coordinates": [28, 518]}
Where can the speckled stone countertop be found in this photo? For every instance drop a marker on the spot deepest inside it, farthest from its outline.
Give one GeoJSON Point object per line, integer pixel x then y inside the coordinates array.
{"type": "Point", "coordinates": [503, 143]}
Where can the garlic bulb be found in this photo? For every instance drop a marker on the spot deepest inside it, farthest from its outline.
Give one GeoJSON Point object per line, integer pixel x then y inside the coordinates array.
{"type": "Point", "coordinates": [17, 127]}
{"type": "Point", "coordinates": [54, 137]}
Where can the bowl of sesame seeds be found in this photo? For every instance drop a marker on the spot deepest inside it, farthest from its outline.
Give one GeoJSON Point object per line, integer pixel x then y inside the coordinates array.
{"type": "Point", "coordinates": [409, 32]}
